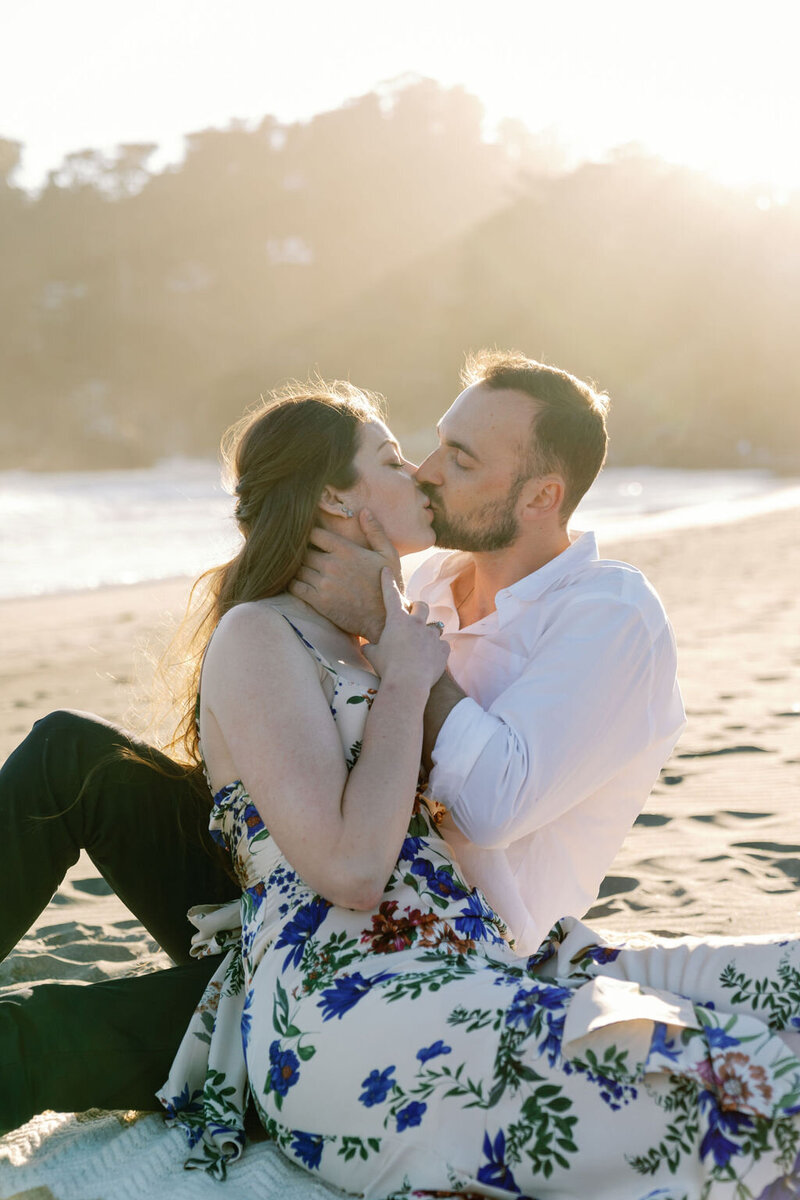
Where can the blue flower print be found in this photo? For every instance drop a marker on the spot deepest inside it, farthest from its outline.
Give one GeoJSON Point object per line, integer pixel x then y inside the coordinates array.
{"type": "Point", "coordinates": [218, 836]}
{"type": "Point", "coordinates": [410, 1115]}
{"type": "Point", "coordinates": [547, 1005]}
{"type": "Point", "coordinates": [253, 823]}
{"type": "Point", "coordinates": [284, 1069]}
{"type": "Point", "coordinates": [719, 1124]}
{"type": "Point", "coordinates": [496, 1171]}
{"type": "Point", "coordinates": [718, 1038]}
{"type": "Point", "coordinates": [432, 1051]}
{"type": "Point", "coordinates": [440, 881]}
{"type": "Point", "coordinates": [184, 1103]}
{"type": "Point", "coordinates": [602, 954]}
{"type": "Point", "coordinates": [308, 1148]}
{"type": "Point", "coordinates": [347, 990]}
{"type": "Point", "coordinates": [660, 1045]}
{"type": "Point", "coordinates": [303, 925]}
{"type": "Point", "coordinates": [527, 1001]}
{"type": "Point", "coordinates": [247, 1019]}
{"type": "Point", "coordinates": [376, 1087]}
{"type": "Point", "coordinates": [546, 951]}
{"type": "Point", "coordinates": [473, 919]}
{"type": "Point", "coordinates": [410, 848]}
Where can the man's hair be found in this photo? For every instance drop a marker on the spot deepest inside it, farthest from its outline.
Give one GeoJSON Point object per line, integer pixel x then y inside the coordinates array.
{"type": "Point", "coordinates": [568, 432]}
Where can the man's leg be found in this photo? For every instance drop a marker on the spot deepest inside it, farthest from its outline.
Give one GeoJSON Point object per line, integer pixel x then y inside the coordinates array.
{"type": "Point", "coordinates": [67, 788]}
{"type": "Point", "coordinates": [73, 1046]}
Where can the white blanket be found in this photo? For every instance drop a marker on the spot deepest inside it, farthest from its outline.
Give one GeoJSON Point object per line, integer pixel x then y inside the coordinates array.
{"type": "Point", "coordinates": [117, 1156]}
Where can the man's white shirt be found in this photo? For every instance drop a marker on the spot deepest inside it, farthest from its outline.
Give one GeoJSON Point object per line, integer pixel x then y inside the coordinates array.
{"type": "Point", "coordinates": [573, 707]}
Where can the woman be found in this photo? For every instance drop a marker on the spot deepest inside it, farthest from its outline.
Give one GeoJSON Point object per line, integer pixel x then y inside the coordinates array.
{"type": "Point", "coordinates": [371, 1005]}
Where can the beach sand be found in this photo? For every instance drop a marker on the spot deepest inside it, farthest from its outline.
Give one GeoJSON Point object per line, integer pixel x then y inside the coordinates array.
{"type": "Point", "coordinates": [717, 848]}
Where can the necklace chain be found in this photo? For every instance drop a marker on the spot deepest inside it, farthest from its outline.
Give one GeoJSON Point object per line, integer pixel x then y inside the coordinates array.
{"type": "Point", "coordinates": [464, 599]}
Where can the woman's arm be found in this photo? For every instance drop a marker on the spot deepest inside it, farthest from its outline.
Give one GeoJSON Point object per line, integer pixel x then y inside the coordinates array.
{"type": "Point", "coordinates": [340, 832]}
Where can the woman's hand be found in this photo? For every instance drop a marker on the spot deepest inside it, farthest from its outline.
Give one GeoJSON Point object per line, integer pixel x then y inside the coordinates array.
{"type": "Point", "coordinates": [408, 648]}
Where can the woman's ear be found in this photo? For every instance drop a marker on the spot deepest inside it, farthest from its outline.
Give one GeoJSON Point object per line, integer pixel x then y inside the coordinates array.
{"type": "Point", "coordinates": [332, 503]}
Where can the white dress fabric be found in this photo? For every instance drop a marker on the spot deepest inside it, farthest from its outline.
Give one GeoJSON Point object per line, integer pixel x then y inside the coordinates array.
{"type": "Point", "coordinates": [410, 1051]}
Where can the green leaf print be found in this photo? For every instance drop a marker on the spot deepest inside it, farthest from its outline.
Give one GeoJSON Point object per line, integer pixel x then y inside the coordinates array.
{"type": "Point", "coordinates": [280, 1010]}
{"type": "Point", "coordinates": [778, 998]}
{"type": "Point", "coordinates": [417, 826]}
{"type": "Point", "coordinates": [323, 961]}
{"type": "Point", "coordinates": [413, 984]}
{"type": "Point", "coordinates": [543, 1133]}
{"type": "Point", "coordinates": [467, 1088]}
{"type": "Point", "coordinates": [208, 1021]}
{"type": "Point", "coordinates": [352, 1146]}
{"type": "Point", "coordinates": [475, 1018]}
{"type": "Point", "coordinates": [355, 752]}
{"type": "Point", "coordinates": [509, 1069]}
{"type": "Point", "coordinates": [787, 1136]}
{"type": "Point", "coordinates": [233, 983]}
{"type": "Point", "coordinates": [682, 1133]}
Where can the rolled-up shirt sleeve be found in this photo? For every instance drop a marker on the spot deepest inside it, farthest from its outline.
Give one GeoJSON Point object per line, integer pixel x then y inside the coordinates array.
{"type": "Point", "coordinates": [598, 693]}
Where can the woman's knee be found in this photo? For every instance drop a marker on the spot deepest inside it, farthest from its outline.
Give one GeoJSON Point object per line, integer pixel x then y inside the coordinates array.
{"type": "Point", "coordinates": [73, 726]}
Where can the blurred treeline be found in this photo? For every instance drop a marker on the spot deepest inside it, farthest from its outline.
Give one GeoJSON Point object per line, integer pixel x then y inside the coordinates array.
{"type": "Point", "coordinates": [141, 312]}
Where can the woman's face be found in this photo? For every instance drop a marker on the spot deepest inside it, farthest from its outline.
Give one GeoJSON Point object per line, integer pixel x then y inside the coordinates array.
{"type": "Point", "coordinates": [386, 486]}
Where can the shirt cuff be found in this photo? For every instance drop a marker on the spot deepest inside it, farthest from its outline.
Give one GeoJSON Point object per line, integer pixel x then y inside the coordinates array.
{"type": "Point", "coordinates": [461, 741]}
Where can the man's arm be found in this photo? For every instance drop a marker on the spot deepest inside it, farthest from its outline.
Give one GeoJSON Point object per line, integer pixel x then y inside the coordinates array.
{"type": "Point", "coordinates": [445, 695]}
{"type": "Point", "coordinates": [597, 697]}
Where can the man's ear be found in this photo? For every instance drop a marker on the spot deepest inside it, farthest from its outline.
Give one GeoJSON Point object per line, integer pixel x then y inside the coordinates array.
{"type": "Point", "coordinates": [333, 503]}
{"type": "Point", "coordinates": [543, 495]}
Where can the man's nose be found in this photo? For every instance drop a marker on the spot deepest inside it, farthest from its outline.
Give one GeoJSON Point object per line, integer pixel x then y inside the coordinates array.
{"type": "Point", "coordinates": [428, 470]}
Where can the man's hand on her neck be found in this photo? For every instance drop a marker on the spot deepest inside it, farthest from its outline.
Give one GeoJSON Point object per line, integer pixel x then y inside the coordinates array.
{"type": "Point", "coordinates": [445, 695]}
{"type": "Point", "coordinates": [341, 579]}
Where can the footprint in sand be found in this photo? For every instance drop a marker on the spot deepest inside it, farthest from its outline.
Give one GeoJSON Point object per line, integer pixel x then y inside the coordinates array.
{"type": "Point", "coordinates": [612, 885]}
{"type": "Point", "coordinates": [746, 816]}
{"type": "Point", "coordinates": [771, 847]}
{"type": "Point", "coordinates": [94, 886]}
{"type": "Point", "coordinates": [652, 819]}
{"type": "Point", "coordinates": [790, 867]}
{"type": "Point", "coordinates": [725, 750]}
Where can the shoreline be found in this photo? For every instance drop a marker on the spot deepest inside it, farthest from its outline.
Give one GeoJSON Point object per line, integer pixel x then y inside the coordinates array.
{"type": "Point", "coordinates": [641, 506]}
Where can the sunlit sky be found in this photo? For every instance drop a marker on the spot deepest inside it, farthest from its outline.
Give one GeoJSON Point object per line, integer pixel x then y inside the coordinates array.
{"type": "Point", "coordinates": [710, 83]}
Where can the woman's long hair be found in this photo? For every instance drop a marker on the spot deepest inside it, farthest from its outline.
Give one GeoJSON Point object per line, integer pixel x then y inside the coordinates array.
{"type": "Point", "coordinates": [278, 458]}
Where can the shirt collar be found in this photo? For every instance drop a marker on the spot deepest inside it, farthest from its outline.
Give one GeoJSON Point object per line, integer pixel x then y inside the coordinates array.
{"type": "Point", "coordinates": [582, 550]}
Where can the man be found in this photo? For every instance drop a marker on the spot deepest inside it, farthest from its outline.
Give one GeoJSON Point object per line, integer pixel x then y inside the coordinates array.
{"type": "Point", "coordinates": [542, 743]}
{"type": "Point", "coordinates": [561, 702]}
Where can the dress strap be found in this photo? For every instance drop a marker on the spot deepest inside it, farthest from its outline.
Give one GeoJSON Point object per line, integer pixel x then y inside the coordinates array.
{"type": "Point", "coordinates": [323, 662]}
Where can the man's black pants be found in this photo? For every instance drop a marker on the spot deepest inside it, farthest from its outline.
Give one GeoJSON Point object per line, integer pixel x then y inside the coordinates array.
{"type": "Point", "coordinates": [72, 1046]}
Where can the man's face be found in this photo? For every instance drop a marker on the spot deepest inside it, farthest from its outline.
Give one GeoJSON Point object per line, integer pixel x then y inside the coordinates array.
{"type": "Point", "coordinates": [475, 477]}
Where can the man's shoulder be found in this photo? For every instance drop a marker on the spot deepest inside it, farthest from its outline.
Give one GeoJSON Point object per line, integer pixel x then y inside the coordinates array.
{"type": "Point", "coordinates": [613, 581]}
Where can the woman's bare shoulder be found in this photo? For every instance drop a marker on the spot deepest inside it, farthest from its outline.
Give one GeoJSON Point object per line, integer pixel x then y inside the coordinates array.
{"type": "Point", "coordinates": [254, 628]}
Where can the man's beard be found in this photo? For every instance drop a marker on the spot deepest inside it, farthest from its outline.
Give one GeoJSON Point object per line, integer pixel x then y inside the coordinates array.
{"type": "Point", "coordinates": [494, 526]}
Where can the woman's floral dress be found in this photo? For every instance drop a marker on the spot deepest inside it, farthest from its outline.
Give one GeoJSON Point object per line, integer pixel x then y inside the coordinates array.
{"type": "Point", "coordinates": [409, 1051]}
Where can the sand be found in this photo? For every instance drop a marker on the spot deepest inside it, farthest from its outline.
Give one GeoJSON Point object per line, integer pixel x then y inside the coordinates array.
{"type": "Point", "coordinates": [717, 848]}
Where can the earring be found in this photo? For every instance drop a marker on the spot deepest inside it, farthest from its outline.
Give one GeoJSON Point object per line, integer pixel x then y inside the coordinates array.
{"type": "Point", "coordinates": [348, 512]}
